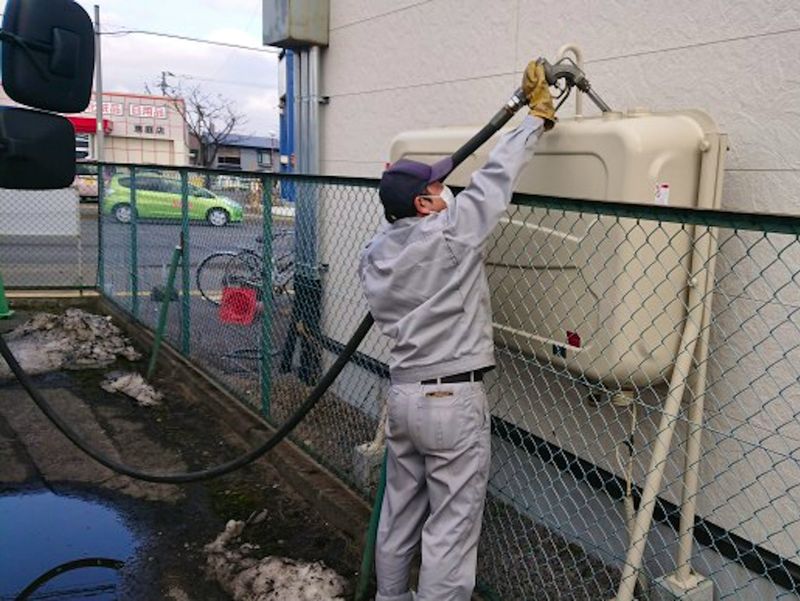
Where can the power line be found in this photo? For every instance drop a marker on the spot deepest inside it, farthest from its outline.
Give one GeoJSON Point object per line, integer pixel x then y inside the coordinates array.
{"type": "Point", "coordinates": [232, 82]}
{"type": "Point", "coordinates": [252, 18]}
{"type": "Point", "coordinates": [161, 34]}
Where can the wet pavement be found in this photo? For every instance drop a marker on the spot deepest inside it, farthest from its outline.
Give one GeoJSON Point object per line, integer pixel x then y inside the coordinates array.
{"type": "Point", "coordinates": [63, 547]}
{"type": "Point", "coordinates": [59, 507]}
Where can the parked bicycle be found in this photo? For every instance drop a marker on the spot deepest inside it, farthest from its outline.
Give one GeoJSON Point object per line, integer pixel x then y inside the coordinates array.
{"type": "Point", "coordinates": [242, 268]}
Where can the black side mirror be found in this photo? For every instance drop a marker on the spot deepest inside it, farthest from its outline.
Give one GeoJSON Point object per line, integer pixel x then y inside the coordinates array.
{"type": "Point", "coordinates": [48, 63]}
{"type": "Point", "coordinates": [37, 150]}
{"type": "Point", "coordinates": [48, 54]}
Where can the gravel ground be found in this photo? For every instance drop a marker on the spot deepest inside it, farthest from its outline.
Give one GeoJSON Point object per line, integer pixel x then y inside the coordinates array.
{"type": "Point", "coordinates": [519, 559]}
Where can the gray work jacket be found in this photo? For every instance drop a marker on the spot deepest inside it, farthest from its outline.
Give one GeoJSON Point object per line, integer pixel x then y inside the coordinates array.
{"type": "Point", "coordinates": [424, 279]}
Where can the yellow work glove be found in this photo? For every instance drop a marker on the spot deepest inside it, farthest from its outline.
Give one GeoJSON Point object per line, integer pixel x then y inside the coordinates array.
{"type": "Point", "coordinates": [534, 85]}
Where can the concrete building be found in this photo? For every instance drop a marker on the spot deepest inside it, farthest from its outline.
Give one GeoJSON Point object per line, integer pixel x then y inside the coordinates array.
{"type": "Point", "coordinates": [397, 66]}
{"type": "Point", "coordinates": [241, 152]}
{"type": "Point", "coordinates": [138, 128]}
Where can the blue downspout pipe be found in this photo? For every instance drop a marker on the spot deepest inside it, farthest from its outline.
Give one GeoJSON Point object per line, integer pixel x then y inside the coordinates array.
{"type": "Point", "coordinates": [287, 127]}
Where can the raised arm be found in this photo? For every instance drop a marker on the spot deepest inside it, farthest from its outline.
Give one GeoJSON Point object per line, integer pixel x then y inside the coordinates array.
{"type": "Point", "coordinates": [479, 207]}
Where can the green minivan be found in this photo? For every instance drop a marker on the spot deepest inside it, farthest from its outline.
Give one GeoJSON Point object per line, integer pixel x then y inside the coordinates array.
{"type": "Point", "coordinates": [159, 197]}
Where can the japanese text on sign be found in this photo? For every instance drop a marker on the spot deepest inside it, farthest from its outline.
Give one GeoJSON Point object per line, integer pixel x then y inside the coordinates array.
{"type": "Point", "coordinates": [116, 109]}
{"type": "Point", "coordinates": [147, 111]}
{"type": "Point", "coordinates": [109, 108]}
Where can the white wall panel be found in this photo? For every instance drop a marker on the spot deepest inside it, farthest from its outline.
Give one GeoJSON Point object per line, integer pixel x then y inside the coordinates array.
{"type": "Point", "coordinates": [447, 40]}
{"type": "Point", "coordinates": [613, 28]}
{"type": "Point", "coordinates": [39, 213]}
{"type": "Point", "coordinates": [396, 66]}
{"type": "Point", "coordinates": [346, 13]}
{"type": "Point", "coordinates": [366, 123]}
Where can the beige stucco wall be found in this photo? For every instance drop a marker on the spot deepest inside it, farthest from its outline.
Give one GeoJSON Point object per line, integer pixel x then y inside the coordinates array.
{"type": "Point", "coordinates": [146, 129]}
{"type": "Point", "coordinates": [398, 65]}
{"type": "Point", "coordinates": [402, 64]}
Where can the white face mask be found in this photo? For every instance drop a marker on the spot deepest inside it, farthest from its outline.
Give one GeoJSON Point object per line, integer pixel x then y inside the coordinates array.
{"type": "Point", "coordinates": [447, 196]}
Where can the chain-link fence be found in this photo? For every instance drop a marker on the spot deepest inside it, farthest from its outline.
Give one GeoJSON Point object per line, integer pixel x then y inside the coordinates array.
{"type": "Point", "coordinates": [47, 239]}
{"type": "Point", "coordinates": [647, 365]}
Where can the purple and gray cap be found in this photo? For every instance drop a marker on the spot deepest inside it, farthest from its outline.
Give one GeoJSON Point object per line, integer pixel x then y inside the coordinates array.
{"type": "Point", "coordinates": [404, 180]}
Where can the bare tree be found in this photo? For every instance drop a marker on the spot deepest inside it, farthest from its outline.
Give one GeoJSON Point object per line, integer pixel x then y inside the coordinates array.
{"type": "Point", "coordinates": [209, 118]}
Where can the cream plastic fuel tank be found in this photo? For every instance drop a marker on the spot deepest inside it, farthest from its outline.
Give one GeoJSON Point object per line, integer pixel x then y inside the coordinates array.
{"type": "Point", "coordinates": [602, 296]}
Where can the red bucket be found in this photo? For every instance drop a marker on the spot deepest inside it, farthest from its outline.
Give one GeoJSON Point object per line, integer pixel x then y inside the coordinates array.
{"type": "Point", "coordinates": [238, 306]}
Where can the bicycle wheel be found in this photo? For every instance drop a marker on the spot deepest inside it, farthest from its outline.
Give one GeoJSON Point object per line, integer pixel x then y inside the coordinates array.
{"type": "Point", "coordinates": [210, 275]}
{"type": "Point", "coordinates": [244, 271]}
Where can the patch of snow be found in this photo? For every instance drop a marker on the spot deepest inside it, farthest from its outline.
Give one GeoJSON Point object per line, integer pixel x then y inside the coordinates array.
{"type": "Point", "coordinates": [75, 339]}
{"type": "Point", "coordinates": [133, 385]}
{"type": "Point", "coordinates": [247, 578]}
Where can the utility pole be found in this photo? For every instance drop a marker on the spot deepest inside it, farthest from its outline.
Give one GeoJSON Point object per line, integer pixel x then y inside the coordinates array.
{"type": "Point", "coordinates": [163, 85]}
{"type": "Point", "coordinates": [98, 90]}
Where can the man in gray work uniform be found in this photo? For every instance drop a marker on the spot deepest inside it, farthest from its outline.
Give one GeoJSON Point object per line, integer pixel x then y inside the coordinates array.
{"type": "Point", "coordinates": [424, 281]}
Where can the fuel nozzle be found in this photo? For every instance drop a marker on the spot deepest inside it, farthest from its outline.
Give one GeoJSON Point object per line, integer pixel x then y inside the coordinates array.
{"type": "Point", "coordinates": [565, 75]}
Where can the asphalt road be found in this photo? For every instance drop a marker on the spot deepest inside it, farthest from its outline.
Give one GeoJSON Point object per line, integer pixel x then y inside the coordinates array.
{"type": "Point", "coordinates": [65, 262]}
{"type": "Point", "coordinates": [55, 261]}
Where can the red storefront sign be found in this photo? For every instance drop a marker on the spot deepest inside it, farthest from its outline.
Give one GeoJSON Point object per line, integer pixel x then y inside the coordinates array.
{"type": "Point", "coordinates": [87, 125]}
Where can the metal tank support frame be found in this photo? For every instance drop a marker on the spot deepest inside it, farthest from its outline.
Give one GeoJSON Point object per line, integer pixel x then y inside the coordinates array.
{"type": "Point", "coordinates": [684, 583]}
{"type": "Point", "coordinates": [689, 371]}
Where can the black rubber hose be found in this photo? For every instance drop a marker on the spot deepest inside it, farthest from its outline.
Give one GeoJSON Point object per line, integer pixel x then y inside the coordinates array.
{"type": "Point", "coordinates": [89, 562]}
{"type": "Point", "coordinates": [207, 474]}
{"type": "Point", "coordinates": [516, 102]}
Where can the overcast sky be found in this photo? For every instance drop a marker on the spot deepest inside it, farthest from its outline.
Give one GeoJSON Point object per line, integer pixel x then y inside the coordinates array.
{"type": "Point", "coordinates": [247, 78]}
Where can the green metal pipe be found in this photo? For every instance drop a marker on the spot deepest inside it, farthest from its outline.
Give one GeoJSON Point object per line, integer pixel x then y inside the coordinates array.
{"type": "Point", "coordinates": [134, 249]}
{"type": "Point", "coordinates": [186, 308]}
{"type": "Point", "coordinates": [5, 310]}
{"type": "Point", "coordinates": [775, 223]}
{"type": "Point", "coordinates": [368, 557]}
{"type": "Point", "coordinates": [162, 315]}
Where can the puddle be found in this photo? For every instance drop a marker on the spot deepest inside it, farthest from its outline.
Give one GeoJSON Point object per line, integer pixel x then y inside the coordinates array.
{"type": "Point", "coordinates": [48, 543]}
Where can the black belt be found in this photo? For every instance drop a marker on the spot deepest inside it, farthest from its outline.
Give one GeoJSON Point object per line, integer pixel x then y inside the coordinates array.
{"type": "Point", "coordinates": [467, 376]}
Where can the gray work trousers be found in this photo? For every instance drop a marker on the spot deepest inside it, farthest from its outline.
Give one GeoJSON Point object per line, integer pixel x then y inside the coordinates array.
{"type": "Point", "coordinates": [438, 442]}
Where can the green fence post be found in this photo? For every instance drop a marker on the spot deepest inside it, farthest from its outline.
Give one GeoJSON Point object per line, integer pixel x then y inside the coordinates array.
{"type": "Point", "coordinates": [266, 295]}
{"type": "Point", "coordinates": [186, 306]}
{"type": "Point", "coordinates": [101, 271]}
{"type": "Point", "coordinates": [5, 310]}
{"type": "Point", "coordinates": [164, 311]}
{"type": "Point", "coordinates": [134, 249]}
{"type": "Point", "coordinates": [368, 556]}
